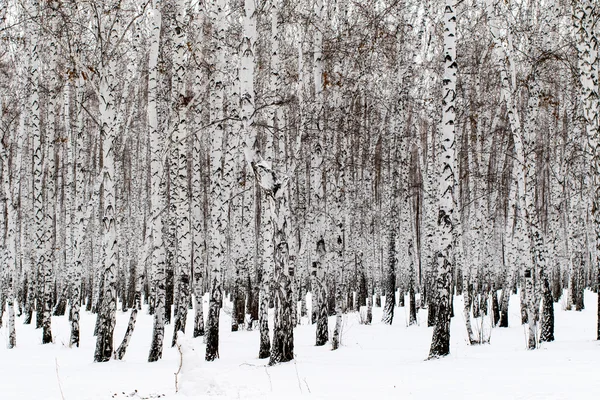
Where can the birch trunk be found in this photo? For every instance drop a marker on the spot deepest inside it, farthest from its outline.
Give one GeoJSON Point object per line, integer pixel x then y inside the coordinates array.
{"type": "Point", "coordinates": [218, 214]}
{"type": "Point", "coordinates": [274, 184]}
{"type": "Point", "coordinates": [247, 93]}
{"type": "Point", "coordinates": [157, 184]}
{"type": "Point", "coordinates": [10, 186]}
{"type": "Point", "coordinates": [79, 200]}
{"type": "Point", "coordinates": [49, 240]}
{"type": "Point", "coordinates": [179, 142]}
{"type": "Point", "coordinates": [198, 235]}
{"type": "Point", "coordinates": [390, 298]}
{"type": "Point", "coordinates": [585, 17]}
{"type": "Point", "coordinates": [104, 342]}
{"type": "Point", "coordinates": [440, 343]}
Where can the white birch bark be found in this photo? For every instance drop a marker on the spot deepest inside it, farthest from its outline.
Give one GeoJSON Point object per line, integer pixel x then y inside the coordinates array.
{"type": "Point", "coordinates": [108, 118]}
{"type": "Point", "coordinates": [79, 199]}
{"type": "Point", "coordinates": [248, 138]}
{"type": "Point", "coordinates": [50, 188]}
{"type": "Point", "coordinates": [11, 187]}
{"type": "Point", "coordinates": [440, 343]}
{"type": "Point", "coordinates": [157, 202]}
{"type": "Point", "coordinates": [198, 237]}
{"type": "Point", "coordinates": [274, 184]}
{"type": "Point", "coordinates": [233, 205]}
{"type": "Point", "coordinates": [67, 163]}
{"type": "Point", "coordinates": [585, 16]}
{"type": "Point", "coordinates": [218, 213]}
{"type": "Point", "coordinates": [181, 198]}
{"type": "Point", "coordinates": [317, 165]}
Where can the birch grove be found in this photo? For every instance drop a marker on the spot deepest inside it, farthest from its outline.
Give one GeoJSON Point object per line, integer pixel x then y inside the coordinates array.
{"type": "Point", "coordinates": [265, 164]}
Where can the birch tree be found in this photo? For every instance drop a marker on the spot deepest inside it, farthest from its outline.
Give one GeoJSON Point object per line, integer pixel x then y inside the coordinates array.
{"type": "Point", "coordinates": [181, 198]}
{"type": "Point", "coordinates": [218, 214]}
{"type": "Point", "coordinates": [440, 343]}
{"type": "Point", "coordinates": [585, 17]}
{"type": "Point", "coordinates": [157, 184]}
{"type": "Point", "coordinates": [274, 184]}
{"type": "Point", "coordinates": [107, 89]}
{"type": "Point", "coordinates": [196, 215]}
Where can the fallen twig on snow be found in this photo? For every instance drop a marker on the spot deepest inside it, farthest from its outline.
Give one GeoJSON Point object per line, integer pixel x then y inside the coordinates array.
{"type": "Point", "coordinates": [179, 369]}
{"type": "Point", "coordinates": [62, 395]}
{"type": "Point", "coordinates": [269, 375]}
{"type": "Point", "coordinates": [297, 376]}
{"type": "Point", "coordinates": [306, 383]}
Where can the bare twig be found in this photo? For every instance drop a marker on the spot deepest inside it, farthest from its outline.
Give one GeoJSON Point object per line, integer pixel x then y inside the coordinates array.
{"type": "Point", "coordinates": [297, 376]}
{"type": "Point", "coordinates": [306, 383]}
{"type": "Point", "coordinates": [269, 375]}
{"type": "Point", "coordinates": [238, 194]}
{"type": "Point", "coordinates": [179, 369]}
{"type": "Point", "coordinates": [250, 365]}
{"type": "Point", "coordinates": [62, 395]}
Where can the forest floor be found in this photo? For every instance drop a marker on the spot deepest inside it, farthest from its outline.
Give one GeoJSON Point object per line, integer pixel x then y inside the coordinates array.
{"type": "Point", "coordinates": [374, 362]}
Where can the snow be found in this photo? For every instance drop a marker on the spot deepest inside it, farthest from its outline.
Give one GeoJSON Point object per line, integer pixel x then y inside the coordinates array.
{"type": "Point", "coordinates": [377, 361]}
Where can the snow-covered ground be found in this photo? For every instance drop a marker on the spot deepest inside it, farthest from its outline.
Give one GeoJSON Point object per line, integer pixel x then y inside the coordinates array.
{"type": "Point", "coordinates": [374, 362]}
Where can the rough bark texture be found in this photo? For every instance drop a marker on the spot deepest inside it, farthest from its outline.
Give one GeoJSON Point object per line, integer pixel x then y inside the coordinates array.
{"type": "Point", "coordinates": [263, 320]}
{"type": "Point", "coordinates": [322, 333]}
{"type": "Point", "coordinates": [274, 185]}
{"type": "Point", "coordinates": [440, 343]}
{"type": "Point", "coordinates": [390, 296]}
{"type": "Point", "coordinates": [157, 192]}
{"type": "Point", "coordinates": [547, 328]}
{"type": "Point", "coordinates": [120, 352]}
{"type": "Point", "coordinates": [104, 341]}
{"type": "Point", "coordinates": [183, 234]}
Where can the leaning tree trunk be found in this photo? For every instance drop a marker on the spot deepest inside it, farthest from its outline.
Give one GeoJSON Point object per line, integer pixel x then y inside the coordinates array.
{"type": "Point", "coordinates": [120, 352]}
{"type": "Point", "coordinates": [141, 256]}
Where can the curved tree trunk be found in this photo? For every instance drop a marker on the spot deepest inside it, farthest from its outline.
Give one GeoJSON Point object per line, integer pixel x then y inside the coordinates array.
{"type": "Point", "coordinates": [120, 352]}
